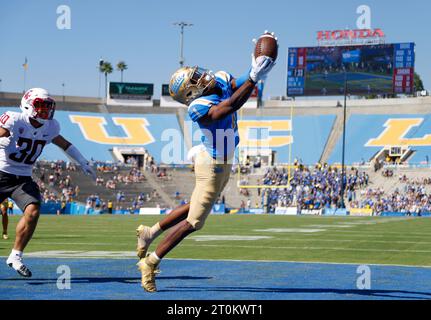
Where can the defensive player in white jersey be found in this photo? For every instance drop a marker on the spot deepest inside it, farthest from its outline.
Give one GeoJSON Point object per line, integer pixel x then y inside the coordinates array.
{"type": "Point", "coordinates": [23, 135]}
{"type": "Point", "coordinates": [212, 100]}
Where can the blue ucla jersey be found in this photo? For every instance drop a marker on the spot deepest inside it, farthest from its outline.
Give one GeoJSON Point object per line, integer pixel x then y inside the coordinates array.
{"type": "Point", "coordinates": [220, 137]}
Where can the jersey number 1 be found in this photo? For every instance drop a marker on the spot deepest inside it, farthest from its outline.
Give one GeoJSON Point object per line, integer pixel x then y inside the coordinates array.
{"type": "Point", "coordinates": [31, 150]}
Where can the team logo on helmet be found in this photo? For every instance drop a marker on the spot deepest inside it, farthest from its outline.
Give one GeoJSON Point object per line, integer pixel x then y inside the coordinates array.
{"type": "Point", "coordinates": [38, 104]}
{"type": "Point", "coordinates": [190, 83]}
{"type": "Point", "coordinates": [178, 81]}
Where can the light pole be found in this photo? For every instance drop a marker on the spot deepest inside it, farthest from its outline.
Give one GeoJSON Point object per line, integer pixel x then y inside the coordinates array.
{"type": "Point", "coordinates": [100, 75]}
{"type": "Point", "coordinates": [343, 153]}
{"type": "Point", "coordinates": [182, 24]}
{"type": "Point", "coordinates": [62, 85]}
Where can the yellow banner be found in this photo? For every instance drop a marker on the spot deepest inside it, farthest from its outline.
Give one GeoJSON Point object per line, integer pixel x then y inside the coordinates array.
{"type": "Point", "coordinates": [361, 212]}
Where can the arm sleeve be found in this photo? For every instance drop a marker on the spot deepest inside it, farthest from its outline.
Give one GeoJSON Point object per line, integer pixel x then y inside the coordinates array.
{"type": "Point", "coordinates": [241, 80]}
{"type": "Point", "coordinates": [74, 153]}
{"type": "Point", "coordinates": [199, 108]}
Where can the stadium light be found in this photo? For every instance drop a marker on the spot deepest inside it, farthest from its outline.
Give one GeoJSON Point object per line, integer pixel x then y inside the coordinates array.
{"type": "Point", "coordinates": [182, 24]}
{"type": "Point", "coordinates": [100, 75]}
{"type": "Point", "coordinates": [62, 85]}
{"type": "Point", "coordinates": [343, 153]}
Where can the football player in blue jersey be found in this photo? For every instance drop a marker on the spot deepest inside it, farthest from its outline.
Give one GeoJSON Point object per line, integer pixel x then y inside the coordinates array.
{"type": "Point", "coordinates": [213, 100]}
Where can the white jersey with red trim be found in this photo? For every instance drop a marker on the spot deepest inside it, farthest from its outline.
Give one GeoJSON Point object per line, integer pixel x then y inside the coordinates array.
{"type": "Point", "coordinates": [20, 150]}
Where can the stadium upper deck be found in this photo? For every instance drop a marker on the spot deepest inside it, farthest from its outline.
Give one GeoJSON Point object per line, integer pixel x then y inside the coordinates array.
{"type": "Point", "coordinates": [395, 129]}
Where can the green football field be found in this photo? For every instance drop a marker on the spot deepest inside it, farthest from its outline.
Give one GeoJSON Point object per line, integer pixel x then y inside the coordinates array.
{"type": "Point", "coordinates": [397, 241]}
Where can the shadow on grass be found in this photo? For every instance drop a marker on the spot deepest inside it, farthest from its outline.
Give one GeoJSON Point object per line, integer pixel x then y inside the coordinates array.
{"type": "Point", "coordinates": [39, 282]}
{"type": "Point", "coordinates": [315, 292]}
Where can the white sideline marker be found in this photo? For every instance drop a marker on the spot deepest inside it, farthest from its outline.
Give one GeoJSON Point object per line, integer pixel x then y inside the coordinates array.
{"type": "Point", "coordinates": [290, 230]}
{"type": "Point", "coordinates": [228, 238]}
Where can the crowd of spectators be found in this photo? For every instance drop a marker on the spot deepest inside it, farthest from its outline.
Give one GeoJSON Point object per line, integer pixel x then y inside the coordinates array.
{"type": "Point", "coordinates": [410, 199]}
{"type": "Point", "coordinates": [411, 196]}
{"type": "Point", "coordinates": [315, 188]}
{"type": "Point", "coordinates": [133, 176]}
{"type": "Point", "coordinates": [56, 175]}
{"type": "Point", "coordinates": [402, 178]}
{"type": "Point", "coordinates": [57, 186]}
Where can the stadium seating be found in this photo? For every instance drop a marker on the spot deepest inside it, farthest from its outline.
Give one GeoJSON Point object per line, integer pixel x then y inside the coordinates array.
{"type": "Point", "coordinates": [310, 134]}
{"type": "Point", "coordinates": [366, 135]}
{"type": "Point", "coordinates": [316, 135]}
{"type": "Point", "coordinates": [87, 187]}
{"type": "Point", "coordinates": [96, 134]}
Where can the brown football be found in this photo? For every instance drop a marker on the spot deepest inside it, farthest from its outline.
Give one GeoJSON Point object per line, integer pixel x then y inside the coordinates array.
{"type": "Point", "coordinates": [266, 45]}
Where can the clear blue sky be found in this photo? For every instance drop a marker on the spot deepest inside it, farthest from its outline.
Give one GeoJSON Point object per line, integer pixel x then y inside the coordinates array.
{"type": "Point", "coordinates": [142, 34]}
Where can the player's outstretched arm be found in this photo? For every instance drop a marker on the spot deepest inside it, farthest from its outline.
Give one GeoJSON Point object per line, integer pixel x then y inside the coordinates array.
{"type": "Point", "coordinates": [260, 68]}
{"type": "Point", "coordinates": [74, 153]}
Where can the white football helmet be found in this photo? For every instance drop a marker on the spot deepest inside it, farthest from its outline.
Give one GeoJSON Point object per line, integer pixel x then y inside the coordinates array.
{"type": "Point", "coordinates": [38, 104]}
{"type": "Point", "coordinates": [190, 83]}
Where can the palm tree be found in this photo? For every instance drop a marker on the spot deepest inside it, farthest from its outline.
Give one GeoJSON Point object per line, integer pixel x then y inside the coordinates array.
{"type": "Point", "coordinates": [106, 68]}
{"type": "Point", "coordinates": [418, 83]}
{"type": "Point", "coordinates": [121, 66]}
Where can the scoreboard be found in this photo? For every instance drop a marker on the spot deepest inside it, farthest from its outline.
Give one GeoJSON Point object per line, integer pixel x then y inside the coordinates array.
{"type": "Point", "coordinates": [404, 68]}
{"type": "Point", "coordinates": [370, 69]}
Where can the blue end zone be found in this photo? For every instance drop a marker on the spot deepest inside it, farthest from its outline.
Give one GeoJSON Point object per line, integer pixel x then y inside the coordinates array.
{"type": "Point", "coordinates": [213, 280]}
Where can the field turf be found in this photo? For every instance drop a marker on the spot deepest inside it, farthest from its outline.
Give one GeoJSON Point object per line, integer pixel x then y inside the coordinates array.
{"type": "Point", "coordinates": [357, 82]}
{"type": "Point", "coordinates": [394, 241]}
{"type": "Point", "coordinates": [235, 257]}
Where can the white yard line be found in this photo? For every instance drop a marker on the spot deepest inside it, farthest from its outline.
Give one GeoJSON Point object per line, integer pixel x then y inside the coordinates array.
{"type": "Point", "coordinates": [310, 248]}
{"type": "Point", "coordinates": [231, 245]}
{"type": "Point", "coordinates": [131, 254]}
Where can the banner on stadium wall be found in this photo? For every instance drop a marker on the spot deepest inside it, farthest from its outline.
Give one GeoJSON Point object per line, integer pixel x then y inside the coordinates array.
{"type": "Point", "coordinates": [358, 212]}
{"type": "Point", "coordinates": [335, 212]}
{"type": "Point", "coordinates": [256, 211]}
{"type": "Point", "coordinates": [311, 212]}
{"type": "Point", "coordinates": [423, 214]}
{"type": "Point", "coordinates": [392, 214]}
{"type": "Point", "coordinates": [149, 211]}
{"type": "Point", "coordinates": [130, 94]}
{"type": "Point", "coordinates": [289, 211]}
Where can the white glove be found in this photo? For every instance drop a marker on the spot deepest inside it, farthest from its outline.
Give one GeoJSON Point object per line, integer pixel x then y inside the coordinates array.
{"type": "Point", "coordinates": [88, 170]}
{"type": "Point", "coordinates": [260, 67]}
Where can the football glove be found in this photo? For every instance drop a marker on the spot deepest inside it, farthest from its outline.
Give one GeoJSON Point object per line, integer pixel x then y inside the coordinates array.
{"type": "Point", "coordinates": [88, 170]}
{"type": "Point", "coordinates": [260, 67]}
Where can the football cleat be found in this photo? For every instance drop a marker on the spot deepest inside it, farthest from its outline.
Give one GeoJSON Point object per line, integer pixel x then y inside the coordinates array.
{"type": "Point", "coordinates": [157, 269]}
{"type": "Point", "coordinates": [148, 277]}
{"type": "Point", "coordinates": [5, 236]}
{"type": "Point", "coordinates": [143, 234]}
{"type": "Point", "coordinates": [16, 264]}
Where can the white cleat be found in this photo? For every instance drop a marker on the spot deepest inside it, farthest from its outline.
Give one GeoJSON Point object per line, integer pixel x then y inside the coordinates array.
{"type": "Point", "coordinates": [16, 264]}
{"type": "Point", "coordinates": [143, 234]}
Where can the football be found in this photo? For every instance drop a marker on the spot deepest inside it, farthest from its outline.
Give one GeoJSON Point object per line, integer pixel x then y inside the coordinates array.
{"type": "Point", "coordinates": [266, 45]}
